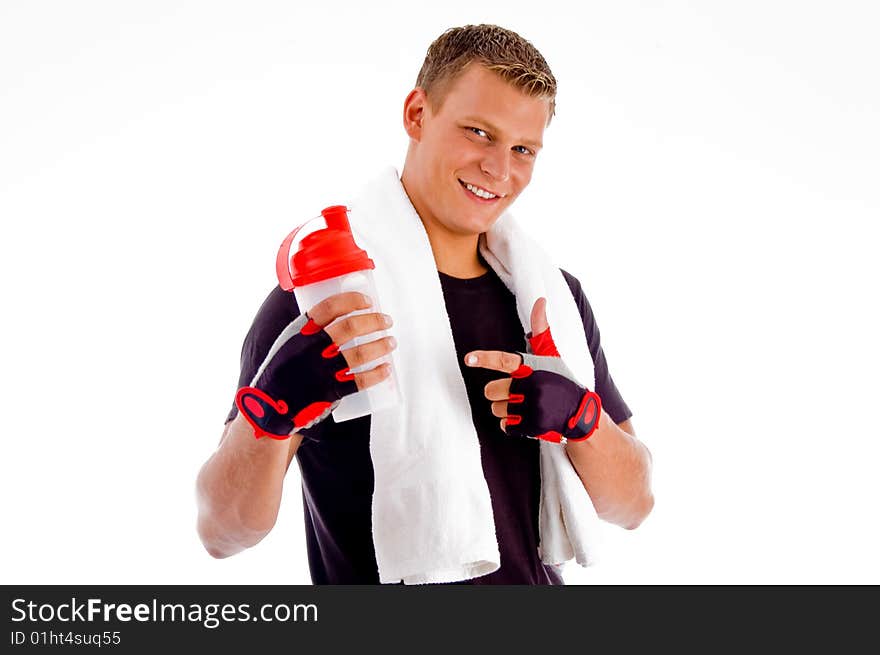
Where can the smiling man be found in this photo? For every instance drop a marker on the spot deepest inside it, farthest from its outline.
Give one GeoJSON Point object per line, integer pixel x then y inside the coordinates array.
{"type": "Point", "coordinates": [473, 145]}
{"type": "Point", "coordinates": [475, 121]}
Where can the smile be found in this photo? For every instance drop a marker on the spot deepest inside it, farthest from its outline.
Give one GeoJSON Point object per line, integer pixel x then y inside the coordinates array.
{"type": "Point", "coordinates": [479, 192]}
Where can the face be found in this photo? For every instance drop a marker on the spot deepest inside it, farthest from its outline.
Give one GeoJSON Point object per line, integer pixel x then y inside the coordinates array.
{"type": "Point", "coordinates": [471, 159]}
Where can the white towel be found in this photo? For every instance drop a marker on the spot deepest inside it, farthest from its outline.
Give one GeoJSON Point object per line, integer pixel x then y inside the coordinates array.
{"type": "Point", "coordinates": [432, 514]}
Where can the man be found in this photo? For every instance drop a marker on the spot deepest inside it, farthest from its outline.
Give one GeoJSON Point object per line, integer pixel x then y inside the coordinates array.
{"type": "Point", "coordinates": [475, 121]}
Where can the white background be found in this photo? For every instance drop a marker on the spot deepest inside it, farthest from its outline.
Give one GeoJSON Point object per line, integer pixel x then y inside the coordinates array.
{"type": "Point", "coordinates": [711, 178]}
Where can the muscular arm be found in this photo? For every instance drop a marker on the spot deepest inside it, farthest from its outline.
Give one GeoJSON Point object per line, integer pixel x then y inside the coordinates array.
{"type": "Point", "coordinates": [615, 468]}
{"type": "Point", "coordinates": [238, 490]}
{"type": "Point", "coordinates": [613, 465]}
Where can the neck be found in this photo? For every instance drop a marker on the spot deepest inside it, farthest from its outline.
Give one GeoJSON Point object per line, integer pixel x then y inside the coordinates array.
{"type": "Point", "coordinates": [454, 254]}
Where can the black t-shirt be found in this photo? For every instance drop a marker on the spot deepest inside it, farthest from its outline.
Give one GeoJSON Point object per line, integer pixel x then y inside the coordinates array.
{"type": "Point", "coordinates": [337, 471]}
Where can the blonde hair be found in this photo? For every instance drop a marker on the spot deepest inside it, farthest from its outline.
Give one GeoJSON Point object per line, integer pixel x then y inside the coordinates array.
{"type": "Point", "coordinates": [502, 51]}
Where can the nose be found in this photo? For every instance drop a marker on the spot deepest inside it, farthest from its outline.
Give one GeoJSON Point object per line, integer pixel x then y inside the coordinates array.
{"type": "Point", "coordinates": [496, 164]}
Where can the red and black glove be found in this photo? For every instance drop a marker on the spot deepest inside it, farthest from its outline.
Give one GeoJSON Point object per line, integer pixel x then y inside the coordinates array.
{"type": "Point", "coordinates": [545, 401]}
{"type": "Point", "coordinates": [299, 383]}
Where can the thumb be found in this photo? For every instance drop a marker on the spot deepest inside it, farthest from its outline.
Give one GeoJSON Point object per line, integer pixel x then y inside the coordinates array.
{"type": "Point", "coordinates": [539, 316]}
{"type": "Point", "coordinates": [540, 339]}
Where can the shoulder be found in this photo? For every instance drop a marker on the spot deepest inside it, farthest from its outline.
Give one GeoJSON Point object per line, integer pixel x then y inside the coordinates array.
{"type": "Point", "coordinates": [279, 305]}
{"type": "Point", "coordinates": [591, 330]}
{"type": "Point", "coordinates": [277, 311]}
{"type": "Point", "coordinates": [573, 283]}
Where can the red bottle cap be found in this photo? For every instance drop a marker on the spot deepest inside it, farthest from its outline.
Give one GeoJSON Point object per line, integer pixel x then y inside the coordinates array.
{"type": "Point", "coordinates": [323, 254]}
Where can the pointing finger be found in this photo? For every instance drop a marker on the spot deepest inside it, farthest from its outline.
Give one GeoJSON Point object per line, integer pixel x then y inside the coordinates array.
{"type": "Point", "coordinates": [495, 360]}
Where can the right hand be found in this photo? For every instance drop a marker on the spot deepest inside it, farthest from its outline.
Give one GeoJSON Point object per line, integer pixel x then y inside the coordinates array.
{"type": "Point", "coordinates": [305, 375]}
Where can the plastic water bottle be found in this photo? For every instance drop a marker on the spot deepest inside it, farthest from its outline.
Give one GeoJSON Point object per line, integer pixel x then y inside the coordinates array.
{"type": "Point", "coordinates": [328, 262]}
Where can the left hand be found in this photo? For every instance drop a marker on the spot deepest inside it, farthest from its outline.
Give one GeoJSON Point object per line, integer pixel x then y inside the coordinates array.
{"type": "Point", "coordinates": [551, 405]}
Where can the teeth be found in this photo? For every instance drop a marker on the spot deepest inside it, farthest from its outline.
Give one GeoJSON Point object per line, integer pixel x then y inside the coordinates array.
{"type": "Point", "coordinates": [479, 192]}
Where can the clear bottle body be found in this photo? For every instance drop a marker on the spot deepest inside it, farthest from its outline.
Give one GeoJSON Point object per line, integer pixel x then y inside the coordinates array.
{"type": "Point", "coordinates": [381, 395]}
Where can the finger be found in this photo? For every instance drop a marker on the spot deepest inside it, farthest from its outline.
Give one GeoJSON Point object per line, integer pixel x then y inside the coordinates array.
{"type": "Point", "coordinates": [367, 352]}
{"type": "Point", "coordinates": [499, 409]}
{"type": "Point", "coordinates": [373, 376]}
{"type": "Point", "coordinates": [539, 316]}
{"type": "Point", "coordinates": [540, 339]}
{"type": "Point", "coordinates": [494, 359]}
{"type": "Point", "coordinates": [340, 304]}
{"type": "Point", "coordinates": [348, 328]}
{"type": "Point", "coordinates": [497, 389]}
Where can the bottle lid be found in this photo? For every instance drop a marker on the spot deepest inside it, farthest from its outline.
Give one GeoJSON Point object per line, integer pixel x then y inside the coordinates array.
{"type": "Point", "coordinates": [323, 254]}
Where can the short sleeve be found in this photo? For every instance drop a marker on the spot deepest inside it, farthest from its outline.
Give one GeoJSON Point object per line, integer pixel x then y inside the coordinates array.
{"type": "Point", "coordinates": [612, 401]}
{"type": "Point", "coordinates": [276, 312]}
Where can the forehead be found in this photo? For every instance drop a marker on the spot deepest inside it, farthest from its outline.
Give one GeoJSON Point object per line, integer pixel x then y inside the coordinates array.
{"type": "Point", "coordinates": [480, 93]}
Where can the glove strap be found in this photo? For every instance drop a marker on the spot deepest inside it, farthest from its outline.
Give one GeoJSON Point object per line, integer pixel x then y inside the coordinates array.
{"type": "Point", "coordinates": [582, 425]}
{"type": "Point", "coordinates": [585, 421]}
{"type": "Point", "coordinates": [259, 408]}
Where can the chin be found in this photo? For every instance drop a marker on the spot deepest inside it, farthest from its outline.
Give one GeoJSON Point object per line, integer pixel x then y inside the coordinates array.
{"type": "Point", "coordinates": [474, 224]}
{"type": "Point", "coordinates": [479, 218]}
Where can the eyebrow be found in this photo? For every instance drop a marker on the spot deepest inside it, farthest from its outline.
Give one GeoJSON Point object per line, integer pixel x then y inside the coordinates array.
{"type": "Point", "coordinates": [526, 142]}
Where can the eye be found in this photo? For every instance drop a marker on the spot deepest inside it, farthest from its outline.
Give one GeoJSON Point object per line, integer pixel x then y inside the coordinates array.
{"type": "Point", "coordinates": [479, 132]}
{"type": "Point", "coordinates": [523, 150]}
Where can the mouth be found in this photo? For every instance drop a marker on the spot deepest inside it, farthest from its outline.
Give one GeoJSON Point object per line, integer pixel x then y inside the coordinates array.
{"type": "Point", "coordinates": [479, 194]}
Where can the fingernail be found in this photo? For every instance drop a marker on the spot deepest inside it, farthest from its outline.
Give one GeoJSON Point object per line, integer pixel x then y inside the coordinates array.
{"type": "Point", "coordinates": [472, 359]}
{"type": "Point", "coordinates": [387, 319]}
{"type": "Point", "coordinates": [392, 342]}
{"type": "Point", "coordinates": [366, 299]}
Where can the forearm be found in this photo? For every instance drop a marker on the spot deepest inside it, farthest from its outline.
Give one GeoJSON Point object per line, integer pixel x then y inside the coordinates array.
{"type": "Point", "coordinates": [615, 469]}
{"type": "Point", "coordinates": [239, 489]}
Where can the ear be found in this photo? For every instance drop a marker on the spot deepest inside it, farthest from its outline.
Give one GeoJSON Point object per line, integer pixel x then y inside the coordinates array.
{"type": "Point", "coordinates": [414, 108]}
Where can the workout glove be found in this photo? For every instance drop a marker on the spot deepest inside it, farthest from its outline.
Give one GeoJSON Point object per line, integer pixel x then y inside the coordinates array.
{"type": "Point", "coordinates": [548, 402]}
{"type": "Point", "coordinates": [299, 383]}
